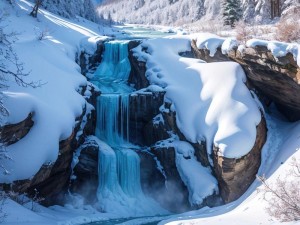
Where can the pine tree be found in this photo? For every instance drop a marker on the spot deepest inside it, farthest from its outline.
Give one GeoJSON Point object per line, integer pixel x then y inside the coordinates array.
{"type": "Point", "coordinates": [232, 12]}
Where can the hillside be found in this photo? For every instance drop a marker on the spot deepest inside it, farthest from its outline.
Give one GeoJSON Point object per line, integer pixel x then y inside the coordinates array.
{"type": "Point", "coordinates": [180, 12]}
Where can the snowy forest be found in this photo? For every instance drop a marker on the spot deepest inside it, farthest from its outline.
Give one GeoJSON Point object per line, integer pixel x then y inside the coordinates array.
{"type": "Point", "coordinates": [180, 12]}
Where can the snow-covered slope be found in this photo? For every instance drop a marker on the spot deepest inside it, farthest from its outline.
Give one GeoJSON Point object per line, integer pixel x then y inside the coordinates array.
{"type": "Point", "coordinates": [70, 9]}
{"type": "Point", "coordinates": [180, 12]}
{"type": "Point", "coordinates": [281, 148]}
{"type": "Point", "coordinates": [57, 102]}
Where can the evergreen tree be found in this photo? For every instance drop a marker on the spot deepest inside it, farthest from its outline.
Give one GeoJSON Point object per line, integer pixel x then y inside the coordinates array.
{"type": "Point", "coordinates": [232, 12]}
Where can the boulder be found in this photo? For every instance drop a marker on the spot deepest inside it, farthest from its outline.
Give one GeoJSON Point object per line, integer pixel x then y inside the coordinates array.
{"type": "Point", "coordinates": [52, 180]}
{"type": "Point", "coordinates": [236, 175]}
{"type": "Point", "coordinates": [12, 133]}
{"type": "Point", "coordinates": [276, 78]}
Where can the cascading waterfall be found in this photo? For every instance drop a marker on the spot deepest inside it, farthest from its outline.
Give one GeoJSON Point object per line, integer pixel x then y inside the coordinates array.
{"type": "Point", "coordinates": [111, 77]}
{"type": "Point", "coordinates": [119, 187]}
{"type": "Point", "coordinates": [113, 119]}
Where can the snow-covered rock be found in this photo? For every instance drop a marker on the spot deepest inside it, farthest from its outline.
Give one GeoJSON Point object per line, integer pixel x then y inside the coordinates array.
{"type": "Point", "coordinates": [236, 175]}
{"type": "Point", "coordinates": [272, 67]}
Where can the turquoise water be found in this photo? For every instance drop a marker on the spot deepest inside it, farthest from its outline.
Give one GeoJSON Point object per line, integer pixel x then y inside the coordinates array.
{"type": "Point", "coordinates": [128, 221]}
{"type": "Point", "coordinates": [135, 32]}
{"type": "Point", "coordinates": [121, 221]}
{"type": "Point", "coordinates": [119, 189]}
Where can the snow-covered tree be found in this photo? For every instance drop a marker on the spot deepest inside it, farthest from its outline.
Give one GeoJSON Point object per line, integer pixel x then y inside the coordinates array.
{"type": "Point", "coordinates": [70, 9]}
{"type": "Point", "coordinates": [249, 10]}
{"type": "Point", "coordinates": [232, 12]}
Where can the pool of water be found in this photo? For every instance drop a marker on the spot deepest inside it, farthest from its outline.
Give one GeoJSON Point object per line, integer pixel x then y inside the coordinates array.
{"type": "Point", "coordinates": [130, 221]}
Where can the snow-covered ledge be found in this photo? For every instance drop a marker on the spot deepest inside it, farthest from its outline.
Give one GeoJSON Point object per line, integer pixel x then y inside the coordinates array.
{"type": "Point", "coordinates": [201, 95]}
{"type": "Point", "coordinates": [271, 66]}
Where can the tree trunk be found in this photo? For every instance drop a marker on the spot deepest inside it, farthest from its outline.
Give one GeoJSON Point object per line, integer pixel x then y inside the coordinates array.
{"type": "Point", "coordinates": [35, 9]}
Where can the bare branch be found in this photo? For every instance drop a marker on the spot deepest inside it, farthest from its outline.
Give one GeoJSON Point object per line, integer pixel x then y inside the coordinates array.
{"type": "Point", "coordinates": [283, 196]}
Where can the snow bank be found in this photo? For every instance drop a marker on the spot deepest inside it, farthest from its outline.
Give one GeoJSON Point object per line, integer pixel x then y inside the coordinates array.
{"type": "Point", "coordinates": [210, 42]}
{"type": "Point", "coordinates": [278, 49]}
{"type": "Point", "coordinates": [197, 178]}
{"type": "Point", "coordinates": [57, 103]}
{"type": "Point", "coordinates": [89, 44]}
{"type": "Point", "coordinates": [211, 100]}
{"type": "Point", "coordinates": [282, 146]}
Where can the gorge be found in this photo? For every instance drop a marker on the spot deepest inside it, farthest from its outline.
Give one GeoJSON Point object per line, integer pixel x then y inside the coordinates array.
{"type": "Point", "coordinates": [143, 147]}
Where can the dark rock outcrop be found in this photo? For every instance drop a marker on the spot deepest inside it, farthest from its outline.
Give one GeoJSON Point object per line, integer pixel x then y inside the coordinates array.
{"type": "Point", "coordinates": [277, 78]}
{"type": "Point", "coordinates": [85, 181]}
{"type": "Point", "coordinates": [236, 175]}
{"type": "Point", "coordinates": [12, 133]}
{"type": "Point", "coordinates": [138, 69]}
{"type": "Point", "coordinates": [144, 106]}
{"type": "Point", "coordinates": [173, 184]}
{"type": "Point", "coordinates": [89, 62]}
{"type": "Point", "coordinates": [156, 130]}
{"type": "Point", "coordinates": [169, 125]}
{"type": "Point", "coordinates": [52, 180]}
{"type": "Point", "coordinates": [159, 132]}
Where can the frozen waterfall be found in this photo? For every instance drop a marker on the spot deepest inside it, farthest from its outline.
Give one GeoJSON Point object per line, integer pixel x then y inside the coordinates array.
{"type": "Point", "coordinates": [119, 188]}
{"type": "Point", "coordinates": [113, 119]}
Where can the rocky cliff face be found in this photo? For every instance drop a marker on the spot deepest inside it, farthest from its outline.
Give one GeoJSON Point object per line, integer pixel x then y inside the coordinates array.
{"type": "Point", "coordinates": [274, 78]}
{"type": "Point", "coordinates": [88, 62]}
{"type": "Point", "coordinates": [52, 180]}
{"type": "Point", "coordinates": [228, 171]}
{"type": "Point", "coordinates": [10, 134]}
{"type": "Point", "coordinates": [85, 180]}
{"type": "Point", "coordinates": [236, 175]}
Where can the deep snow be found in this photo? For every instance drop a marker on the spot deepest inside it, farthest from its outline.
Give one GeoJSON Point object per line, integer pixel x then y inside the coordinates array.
{"type": "Point", "coordinates": [55, 115]}
{"type": "Point", "coordinates": [212, 102]}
